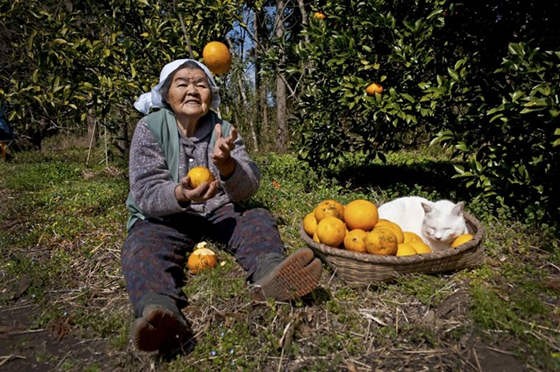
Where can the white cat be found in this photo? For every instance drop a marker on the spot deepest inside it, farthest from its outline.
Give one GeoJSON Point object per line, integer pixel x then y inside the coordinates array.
{"type": "Point", "coordinates": [438, 223]}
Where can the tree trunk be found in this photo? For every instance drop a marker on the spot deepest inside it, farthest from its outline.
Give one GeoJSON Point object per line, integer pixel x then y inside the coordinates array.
{"type": "Point", "coordinates": [260, 88]}
{"type": "Point", "coordinates": [281, 109]}
{"type": "Point", "coordinates": [303, 12]}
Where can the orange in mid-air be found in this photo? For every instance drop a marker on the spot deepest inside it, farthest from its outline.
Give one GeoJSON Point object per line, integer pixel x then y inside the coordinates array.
{"type": "Point", "coordinates": [217, 57]}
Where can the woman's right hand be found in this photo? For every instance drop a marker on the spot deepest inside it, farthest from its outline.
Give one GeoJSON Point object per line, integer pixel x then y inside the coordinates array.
{"type": "Point", "coordinates": [184, 192]}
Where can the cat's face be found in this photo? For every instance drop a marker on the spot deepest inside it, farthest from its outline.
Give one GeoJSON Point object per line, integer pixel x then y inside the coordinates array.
{"type": "Point", "coordinates": [443, 221]}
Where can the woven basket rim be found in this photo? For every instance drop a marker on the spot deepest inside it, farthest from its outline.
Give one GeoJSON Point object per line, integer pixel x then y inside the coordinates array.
{"type": "Point", "coordinates": [471, 245]}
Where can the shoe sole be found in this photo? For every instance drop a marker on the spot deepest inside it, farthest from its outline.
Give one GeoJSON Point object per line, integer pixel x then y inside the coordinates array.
{"type": "Point", "coordinates": [294, 277]}
{"type": "Point", "coordinates": [156, 328]}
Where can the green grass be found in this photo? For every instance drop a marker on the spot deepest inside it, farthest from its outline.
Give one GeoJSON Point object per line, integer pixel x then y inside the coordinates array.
{"type": "Point", "coordinates": [63, 226]}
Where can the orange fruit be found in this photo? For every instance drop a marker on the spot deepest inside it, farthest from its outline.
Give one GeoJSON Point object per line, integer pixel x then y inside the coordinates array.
{"type": "Point", "coordinates": [199, 175]}
{"type": "Point", "coordinates": [409, 236]}
{"type": "Point", "coordinates": [381, 241]}
{"type": "Point", "coordinates": [316, 238]}
{"type": "Point", "coordinates": [419, 246]}
{"type": "Point", "coordinates": [405, 249]}
{"type": "Point", "coordinates": [355, 240]}
{"type": "Point", "coordinates": [461, 239]}
{"type": "Point", "coordinates": [217, 57]}
{"type": "Point", "coordinates": [393, 226]}
{"type": "Point", "coordinates": [310, 223]}
{"type": "Point", "coordinates": [319, 15]}
{"type": "Point", "coordinates": [360, 214]}
{"type": "Point", "coordinates": [331, 231]}
{"type": "Point", "coordinates": [374, 88]}
{"type": "Point", "coordinates": [201, 259]}
{"type": "Point", "coordinates": [329, 207]}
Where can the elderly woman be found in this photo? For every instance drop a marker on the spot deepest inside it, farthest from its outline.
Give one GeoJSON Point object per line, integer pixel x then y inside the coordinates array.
{"type": "Point", "coordinates": [168, 216]}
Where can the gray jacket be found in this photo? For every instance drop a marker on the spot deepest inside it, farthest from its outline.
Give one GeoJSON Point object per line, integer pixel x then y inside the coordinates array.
{"type": "Point", "coordinates": [160, 157]}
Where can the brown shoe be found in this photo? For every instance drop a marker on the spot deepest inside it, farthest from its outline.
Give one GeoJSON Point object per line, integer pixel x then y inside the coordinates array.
{"type": "Point", "coordinates": [296, 276]}
{"type": "Point", "coordinates": [159, 329]}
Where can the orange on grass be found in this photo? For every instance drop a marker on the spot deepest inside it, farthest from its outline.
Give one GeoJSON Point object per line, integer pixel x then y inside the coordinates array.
{"type": "Point", "coordinates": [355, 240]}
{"type": "Point", "coordinates": [201, 259]}
{"type": "Point", "coordinates": [360, 214]}
{"type": "Point", "coordinates": [199, 175]}
{"type": "Point", "coordinates": [381, 241]}
{"type": "Point", "coordinates": [310, 223]}
{"type": "Point", "coordinates": [393, 226]}
{"type": "Point", "coordinates": [328, 207]}
{"type": "Point", "coordinates": [405, 249]}
{"type": "Point", "coordinates": [374, 88]}
{"type": "Point", "coordinates": [419, 246]}
{"type": "Point", "coordinates": [217, 57]}
{"type": "Point", "coordinates": [461, 239]}
{"type": "Point", "coordinates": [331, 231]}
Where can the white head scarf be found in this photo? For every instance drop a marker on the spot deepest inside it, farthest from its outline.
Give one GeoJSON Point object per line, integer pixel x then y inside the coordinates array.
{"type": "Point", "coordinates": [153, 98]}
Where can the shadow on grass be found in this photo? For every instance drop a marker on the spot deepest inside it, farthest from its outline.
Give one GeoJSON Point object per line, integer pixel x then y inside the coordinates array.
{"type": "Point", "coordinates": [432, 177]}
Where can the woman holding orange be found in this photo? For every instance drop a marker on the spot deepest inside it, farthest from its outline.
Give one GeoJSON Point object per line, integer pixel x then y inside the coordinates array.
{"type": "Point", "coordinates": [168, 215]}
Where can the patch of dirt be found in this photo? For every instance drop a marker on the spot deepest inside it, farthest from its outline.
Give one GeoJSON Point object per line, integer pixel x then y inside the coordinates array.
{"type": "Point", "coordinates": [26, 348]}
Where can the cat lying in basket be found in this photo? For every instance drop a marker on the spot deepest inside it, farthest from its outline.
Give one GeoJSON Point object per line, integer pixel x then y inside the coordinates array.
{"type": "Point", "coordinates": [437, 223]}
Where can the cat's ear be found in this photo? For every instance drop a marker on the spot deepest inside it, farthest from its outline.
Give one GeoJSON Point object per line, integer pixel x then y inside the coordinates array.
{"type": "Point", "coordinates": [458, 208]}
{"type": "Point", "coordinates": [426, 207]}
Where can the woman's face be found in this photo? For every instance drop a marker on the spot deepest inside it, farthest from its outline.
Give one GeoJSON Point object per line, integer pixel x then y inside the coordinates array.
{"type": "Point", "coordinates": [189, 94]}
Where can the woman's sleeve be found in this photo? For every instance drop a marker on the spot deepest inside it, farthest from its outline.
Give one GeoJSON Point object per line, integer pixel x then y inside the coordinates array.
{"type": "Point", "coordinates": [244, 181]}
{"type": "Point", "coordinates": [151, 184]}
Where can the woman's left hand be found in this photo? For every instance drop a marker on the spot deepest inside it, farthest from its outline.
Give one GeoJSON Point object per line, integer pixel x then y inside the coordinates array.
{"type": "Point", "coordinates": [222, 151]}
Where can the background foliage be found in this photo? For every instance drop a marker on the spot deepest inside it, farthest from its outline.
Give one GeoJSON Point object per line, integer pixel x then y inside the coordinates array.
{"type": "Point", "coordinates": [481, 79]}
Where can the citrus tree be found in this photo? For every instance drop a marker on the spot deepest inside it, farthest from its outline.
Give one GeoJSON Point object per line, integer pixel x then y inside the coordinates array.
{"type": "Point", "coordinates": [66, 62]}
{"type": "Point", "coordinates": [356, 44]}
{"type": "Point", "coordinates": [481, 79]}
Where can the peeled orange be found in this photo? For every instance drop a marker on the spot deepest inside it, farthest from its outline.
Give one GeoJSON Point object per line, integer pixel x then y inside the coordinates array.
{"type": "Point", "coordinates": [461, 239]}
{"type": "Point", "coordinates": [201, 259]}
{"type": "Point", "coordinates": [419, 246]}
{"type": "Point", "coordinates": [405, 249]}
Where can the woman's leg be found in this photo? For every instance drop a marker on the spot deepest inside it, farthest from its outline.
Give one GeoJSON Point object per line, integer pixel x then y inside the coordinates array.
{"type": "Point", "coordinates": [248, 235]}
{"type": "Point", "coordinates": [252, 236]}
{"type": "Point", "coordinates": [153, 262]}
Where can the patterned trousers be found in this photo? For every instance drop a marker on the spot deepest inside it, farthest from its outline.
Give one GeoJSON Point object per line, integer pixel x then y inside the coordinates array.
{"type": "Point", "coordinates": [154, 253]}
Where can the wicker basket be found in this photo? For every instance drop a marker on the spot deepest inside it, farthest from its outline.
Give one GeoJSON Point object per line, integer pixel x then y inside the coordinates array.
{"type": "Point", "coordinates": [362, 269]}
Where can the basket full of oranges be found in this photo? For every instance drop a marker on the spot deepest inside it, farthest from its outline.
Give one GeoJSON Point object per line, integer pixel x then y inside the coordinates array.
{"type": "Point", "coordinates": [363, 249]}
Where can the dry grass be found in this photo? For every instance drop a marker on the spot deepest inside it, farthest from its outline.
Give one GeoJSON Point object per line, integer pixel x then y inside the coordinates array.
{"type": "Point", "coordinates": [64, 306]}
